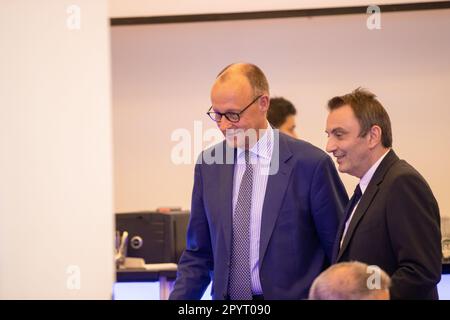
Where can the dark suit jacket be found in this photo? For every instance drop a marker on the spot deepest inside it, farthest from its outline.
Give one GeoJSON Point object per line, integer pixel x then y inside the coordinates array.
{"type": "Point", "coordinates": [397, 227]}
{"type": "Point", "coordinates": [302, 206]}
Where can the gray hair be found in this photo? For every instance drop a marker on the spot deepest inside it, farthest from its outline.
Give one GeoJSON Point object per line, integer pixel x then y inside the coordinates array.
{"type": "Point", "coordinates": [348, 281]}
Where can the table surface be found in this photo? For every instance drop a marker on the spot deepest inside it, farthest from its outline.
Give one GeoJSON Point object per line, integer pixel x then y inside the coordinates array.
{"type": "Point", "coordinates": [143, 275]}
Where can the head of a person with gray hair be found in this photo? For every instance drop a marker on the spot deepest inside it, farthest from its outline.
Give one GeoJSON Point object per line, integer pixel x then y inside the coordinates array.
{"type": "Point", "coordinates": [351, 281]}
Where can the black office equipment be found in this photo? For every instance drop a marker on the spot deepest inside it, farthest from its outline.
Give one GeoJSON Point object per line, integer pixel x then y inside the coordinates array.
{"type": "Point", "coordinates": [154, 236]}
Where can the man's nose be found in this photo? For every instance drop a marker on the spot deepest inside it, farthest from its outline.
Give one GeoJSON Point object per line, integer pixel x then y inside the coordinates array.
{"type": "Point", "coordinates": [224, 124]}
{"type": "Point", "coordinates": [331, 146]}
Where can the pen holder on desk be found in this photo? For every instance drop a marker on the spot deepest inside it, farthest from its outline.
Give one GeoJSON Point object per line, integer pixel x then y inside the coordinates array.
{"type": "Point", "coordinates": [121, 248]}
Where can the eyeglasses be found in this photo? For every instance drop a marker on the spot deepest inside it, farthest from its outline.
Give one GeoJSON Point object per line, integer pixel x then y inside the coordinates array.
{"type": "Point", "coordinates": [231, 116]}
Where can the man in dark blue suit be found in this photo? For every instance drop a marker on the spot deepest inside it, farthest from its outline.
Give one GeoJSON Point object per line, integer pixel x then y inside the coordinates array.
{"type": "Point", "coordinates": [262, 225]}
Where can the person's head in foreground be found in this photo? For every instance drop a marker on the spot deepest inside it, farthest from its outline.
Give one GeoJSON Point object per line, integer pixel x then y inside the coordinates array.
{"type": "Point", "coordinates": [351, 281]}
{"type": "Point", "coordinates": [281, 115]}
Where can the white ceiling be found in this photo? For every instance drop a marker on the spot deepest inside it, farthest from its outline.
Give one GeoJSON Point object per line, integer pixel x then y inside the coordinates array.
{"type": "Point", "coordinates": [147, 8]}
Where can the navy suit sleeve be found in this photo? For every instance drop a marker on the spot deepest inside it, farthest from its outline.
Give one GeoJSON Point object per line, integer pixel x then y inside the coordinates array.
{"type": "Point", "coordinates": [328, 201]}
{"type": "Point", "coordinates": [196, 262]}
{"type": "Point", "coordinates": [414, 231]}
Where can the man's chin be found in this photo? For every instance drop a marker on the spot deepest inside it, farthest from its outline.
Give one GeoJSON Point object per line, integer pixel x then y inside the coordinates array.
{"type": "Point", "coordinates": [342, 168]}
{"type": "Point", "coordinates": [233, 142]}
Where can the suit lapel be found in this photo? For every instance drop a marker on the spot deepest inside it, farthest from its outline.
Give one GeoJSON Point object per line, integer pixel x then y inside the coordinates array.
{"type": "Point", "coordinates": [366, 200]}
{"type": "Point", "coordinates": [226, 176]}
{"type": "Point", "coordinates": [275, 191]}
{"type": "Point", "coordinates": [362, 207]}
{"type": "Point", "coordinates": [341, 228]}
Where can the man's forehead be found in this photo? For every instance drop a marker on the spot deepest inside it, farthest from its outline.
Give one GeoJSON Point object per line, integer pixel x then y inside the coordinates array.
{"type": "Point", "coordinates": [341, 115]}
{"type": "Point", "coordinates": [234, 82]}
{"type": "Point", "coordinates": [227, 95]}
{"type": "Point", "coordinates": [227, 103]}
{"type": "Point", "coordinates": [231, 91]}
{"type": "Point", "coordinates": [341, 120]}
{"type": "Point", "coordinates": [344, 111]}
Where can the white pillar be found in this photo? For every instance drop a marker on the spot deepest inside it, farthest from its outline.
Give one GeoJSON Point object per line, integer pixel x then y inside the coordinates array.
{"type": "Point", "coordinates": [56, 204]}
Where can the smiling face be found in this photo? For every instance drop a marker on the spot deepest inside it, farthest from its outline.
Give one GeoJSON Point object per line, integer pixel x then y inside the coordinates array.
{"type": "Point", "coordinates": [353, 152]}
{"type": "Point", "coordinates": [233, 95]}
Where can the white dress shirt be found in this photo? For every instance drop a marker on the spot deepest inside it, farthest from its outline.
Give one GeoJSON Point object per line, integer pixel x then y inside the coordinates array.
{"type": "Point", "coordinates": [363, 183]}
{"type": "Point", "coordinates": [260, 156]}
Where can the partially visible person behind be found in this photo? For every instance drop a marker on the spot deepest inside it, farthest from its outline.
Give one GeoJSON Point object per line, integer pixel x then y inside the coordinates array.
{"type": "Point", "coordinates": [281, 116]}
{"type": "Point", "coordinates": [351, 281]}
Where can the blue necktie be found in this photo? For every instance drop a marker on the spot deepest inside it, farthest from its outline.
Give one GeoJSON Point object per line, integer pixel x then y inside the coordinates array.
{"type": "Point", "coordinates": [353, 201]}
{"type": "Point", "coordinates": [355, 198]}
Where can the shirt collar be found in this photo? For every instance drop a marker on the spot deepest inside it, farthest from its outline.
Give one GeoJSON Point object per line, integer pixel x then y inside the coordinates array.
{"type": "Point", "coordinates": [263, 147]}
{"type": "Point", "coordinates": [364, 182]}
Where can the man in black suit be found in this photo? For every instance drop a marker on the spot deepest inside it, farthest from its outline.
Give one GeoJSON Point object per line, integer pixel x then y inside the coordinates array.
{"type": "Point", "coordinates": [392, 219]}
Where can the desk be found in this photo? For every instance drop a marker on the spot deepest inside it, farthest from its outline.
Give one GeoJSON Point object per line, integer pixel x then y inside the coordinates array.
{"type": "Point", "coordinates": [167, 277]}
{"type": "Point", "coordinates": [165, 273]}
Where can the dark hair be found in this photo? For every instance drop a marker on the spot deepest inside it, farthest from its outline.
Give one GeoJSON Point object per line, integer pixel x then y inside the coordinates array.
{"type": "Point", "coordinates": [369, 112]}
{"type": "Point", "coordinates": [253, 73]}
{"type": "Point", "coordinates": [279, 110]}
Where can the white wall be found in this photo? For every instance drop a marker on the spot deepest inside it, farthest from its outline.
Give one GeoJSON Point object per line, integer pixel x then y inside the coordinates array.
{"type": "Point", "coordinates": [162, 76]}
{"type": "Point", "coordinates": [56, 208]}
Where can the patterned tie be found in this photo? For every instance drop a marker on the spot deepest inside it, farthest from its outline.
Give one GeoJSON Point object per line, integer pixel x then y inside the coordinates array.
{"type": "Point", "coordinates": [240, 278]}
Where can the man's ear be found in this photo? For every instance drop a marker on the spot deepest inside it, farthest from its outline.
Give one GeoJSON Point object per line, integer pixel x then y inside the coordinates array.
{"type": "Point", "coordinates": [374, 136]}
{"type": "Point", "coordinates": [264, 103]}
